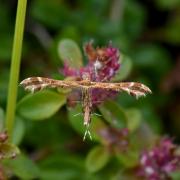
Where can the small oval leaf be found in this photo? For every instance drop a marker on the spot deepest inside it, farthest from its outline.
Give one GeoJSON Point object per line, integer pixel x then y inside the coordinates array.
{"type": "Point", "coordinates": [134, 118]}
{"type": "Point", "coordinates": [175, 175]}
{"type": "Point", "coordinates": [114, 114]}
{"type": "Point", "coordinates": [18, 131]}
{"type": "Point", "coordinates": [56, 174]}
{"type": "Point", "coordinates": [70, 53]}
{"type": "Point", "coordinates": [8, 151]}
{"type": "Point", "coordinates": [40, 105]}
{"type": "Point", "coordinates": [76, 119]}
{"type": "Point", "coordinates": [96, 125]}
{"type": "Point", "coordinates": [128, 159]}
{"type": "Point", "coordinates": [97, 158]}
{"type": "Point", "coordinates": [125, 69]}
{"type": "Point", "coordinates": [23, 167]}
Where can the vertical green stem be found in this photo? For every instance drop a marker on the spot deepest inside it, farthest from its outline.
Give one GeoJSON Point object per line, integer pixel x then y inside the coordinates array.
{"type": "Point", "coordinates": [15, 65]}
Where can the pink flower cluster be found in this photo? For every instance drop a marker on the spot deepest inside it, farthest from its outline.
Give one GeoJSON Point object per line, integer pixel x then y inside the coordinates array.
{"type": "Point", "coordinates": [161, 160]}
{"type": "Point", "coordinates": [103, 64]}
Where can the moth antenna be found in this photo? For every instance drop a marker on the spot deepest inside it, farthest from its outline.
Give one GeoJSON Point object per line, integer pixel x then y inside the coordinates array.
{"type": "Point", "coordinates": [77, 114]}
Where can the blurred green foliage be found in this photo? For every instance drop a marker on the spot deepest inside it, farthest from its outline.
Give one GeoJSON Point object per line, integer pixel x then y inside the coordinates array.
{"type": "Point", "coordinates": [53, 148]}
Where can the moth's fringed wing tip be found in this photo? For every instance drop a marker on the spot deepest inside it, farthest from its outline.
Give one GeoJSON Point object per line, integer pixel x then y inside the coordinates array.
{"type": "Point", "coordinates": [22, 83]}
{"type": "Point", "coordinates": [144, 89]}
{"type": "Point", "coordinates": [25, 81]}
{"type": "Point", "coordinates": [148, 90]}
{"type": "Point", "coordinates": [25, 85]}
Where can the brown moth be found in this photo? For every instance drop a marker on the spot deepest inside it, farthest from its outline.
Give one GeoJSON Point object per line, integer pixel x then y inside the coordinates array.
{"type": "Point", "coordinates": [132, 88]}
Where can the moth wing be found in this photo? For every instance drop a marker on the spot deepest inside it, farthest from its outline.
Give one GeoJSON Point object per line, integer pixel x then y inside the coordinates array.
{"type": "Point", "coordinates": [132, 88]}
{"type": "Point", "coordinates": [38, 83]}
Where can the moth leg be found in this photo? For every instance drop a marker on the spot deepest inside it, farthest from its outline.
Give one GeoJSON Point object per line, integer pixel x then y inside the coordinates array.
{"type": "Point", "coordinates": [87, 132]}
{"type": "Point", "coordinates": [96, 114]}
{"type": "Point", "coordinates": [90, 135]}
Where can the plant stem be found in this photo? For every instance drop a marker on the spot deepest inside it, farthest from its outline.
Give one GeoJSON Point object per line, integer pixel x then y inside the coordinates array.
{"type": "Point", "coordinates": [15, 65]}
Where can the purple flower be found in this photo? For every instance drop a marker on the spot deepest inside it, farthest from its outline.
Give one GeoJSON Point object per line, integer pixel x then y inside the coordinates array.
{"type": "Point", "coordinates": [103, 64]}
{"type": "Point", "coordinates": [160, 161]}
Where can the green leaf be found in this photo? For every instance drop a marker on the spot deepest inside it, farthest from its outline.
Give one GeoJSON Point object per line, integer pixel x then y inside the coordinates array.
{"type": "Point", "coordinates": [1, 119]}
{"type": "Point", "coordinates": [125, 69]}
{"type": "Point", "coordinates": [128, 159]}
{"type": "Point", "coordinates": [114, 114]}
{"type": "Point", "coordinates": [125, 174]}
{"type": "Point", "coordinates": [40, 105]}
{"type": "Point", "coordinates": [56, 174]}
{"type": "Point", "coordinates": [172, 30]}
{"type": "Point", "coordinates": [61, 166]}
{"type": "Point", "coordinates": [175, 175]}
{"type": "Point", "coordinates": [134, 20]}
{"type": "Point", "coordinates": [134, 118]}
{"type": "Point", "coordinates": [52, 14]}
{"type": "Point", "coordinates": [76, 119]}
{"type": "Point", "coordinates": [18, 132]}
{"type": "Point", "coordinates": [69, 52]}
{"type": "Point", "coordinates": [23, 167]}
{"type": "Point", "coordinates": [96, 125]}
{"type": "Point", "coordinates": [152, 119]}
{"type": "Point", "coordinates": [8, 151]}
{"type": "Point", "coordinates": [144, 137]}
{"type": "Point", "coordinates": [168, 4]}
{"type": "Point", "coordinates": [62, 161]}
{"type": "Point", "coordinates": [97, 158]}
{"type": "Point", "coordinates": [151, 56]}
